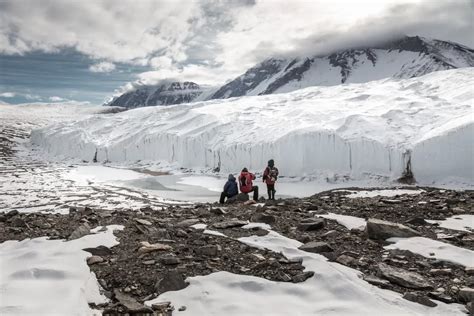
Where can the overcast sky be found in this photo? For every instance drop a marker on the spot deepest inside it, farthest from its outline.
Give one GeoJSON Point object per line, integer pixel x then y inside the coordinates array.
{"type": "Point", "coordinates": [84, 50]}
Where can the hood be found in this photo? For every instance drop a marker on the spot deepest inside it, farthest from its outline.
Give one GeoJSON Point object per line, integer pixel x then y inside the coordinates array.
{"type": "Point", "coordinates": [231, 177]}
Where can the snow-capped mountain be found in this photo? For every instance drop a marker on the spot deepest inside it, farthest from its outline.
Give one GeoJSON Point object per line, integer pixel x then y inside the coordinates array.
{"type": "Point", "coordinates": [161, 94]}
{"type": "Point", "coordinates": [404, 58]}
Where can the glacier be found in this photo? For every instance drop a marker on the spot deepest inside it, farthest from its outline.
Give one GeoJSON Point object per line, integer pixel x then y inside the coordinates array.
{"type": "Point", "coordinates": [383, 128]}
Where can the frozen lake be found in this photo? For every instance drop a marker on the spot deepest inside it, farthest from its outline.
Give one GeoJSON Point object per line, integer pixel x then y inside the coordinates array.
{"type": "Point", "coordinates": [192, 187]}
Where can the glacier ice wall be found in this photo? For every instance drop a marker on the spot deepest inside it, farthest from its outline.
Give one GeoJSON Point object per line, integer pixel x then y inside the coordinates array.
{"type": "Point", "coordinates": [353, 130]}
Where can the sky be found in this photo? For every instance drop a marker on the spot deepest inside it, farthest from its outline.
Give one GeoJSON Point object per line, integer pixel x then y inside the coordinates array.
{"type": "Point", "coordinates": [90, 50]}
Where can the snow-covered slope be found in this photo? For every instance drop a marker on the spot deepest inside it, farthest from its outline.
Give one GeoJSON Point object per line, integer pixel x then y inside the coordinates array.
{"type": "Point", "coordinates": [161, 94]}
{"type": "Point", "coordinates": [376, 128]}
{"type": "Point", "coordinates": [404, 58]}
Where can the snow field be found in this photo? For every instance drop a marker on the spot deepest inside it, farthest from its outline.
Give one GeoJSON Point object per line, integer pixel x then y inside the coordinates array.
{"type": "Point", "coordinates": [353, 130]}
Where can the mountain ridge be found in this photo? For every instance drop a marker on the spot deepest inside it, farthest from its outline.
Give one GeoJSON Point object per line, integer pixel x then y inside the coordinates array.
{"type": "Point", "coordinates": [406, 57]}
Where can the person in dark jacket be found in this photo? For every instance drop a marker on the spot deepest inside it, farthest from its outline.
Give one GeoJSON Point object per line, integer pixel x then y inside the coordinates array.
{"type": "Point", "coordinates": [270, 175]}
{"type": "Point", "coordinates": [246, 184]}
{"type": "Point", "coordinates": [230, 189]}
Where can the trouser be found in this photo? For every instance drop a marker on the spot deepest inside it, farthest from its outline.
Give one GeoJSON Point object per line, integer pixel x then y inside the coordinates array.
{"type": "Point", "coordinates": [223, 196]}
{"type": "Point", "coordinates": [255, 192]}
{"type": "Point", "coordinates": [271, 191]}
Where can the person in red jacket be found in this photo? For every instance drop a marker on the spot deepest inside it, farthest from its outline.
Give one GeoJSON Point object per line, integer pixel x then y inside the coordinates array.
{"type": "Point", "coordinates": [246, 184]}
{"type": "Point", "coordinates": [270, 175]}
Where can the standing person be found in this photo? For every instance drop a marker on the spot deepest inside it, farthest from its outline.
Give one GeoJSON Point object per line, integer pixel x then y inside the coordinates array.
{"type": "Point", "coordinates": [246, 184]}
{"type": "Point", "coordinates": [230, 189]}
{"type": "Point", "coordinates": [270, 175]}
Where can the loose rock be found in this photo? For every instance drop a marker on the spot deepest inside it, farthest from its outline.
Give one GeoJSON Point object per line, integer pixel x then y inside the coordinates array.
{"type": "Point", "coordinates": [381, 230]}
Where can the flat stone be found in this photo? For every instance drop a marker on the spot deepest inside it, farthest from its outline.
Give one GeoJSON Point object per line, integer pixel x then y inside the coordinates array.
{"type": "Point", "coordinates": [170, 260]}
{"type": "Point", "coordinates": [161, 307]}
{"type": "Point", "coordinates": [230, 224]}
{"type": "Point", "coordinates": [420, 299]}
{"type": "Point", "coordinates": [12, 213]}
{"type": "Point", "coordinates": [131, 304]}
{"type": "Point", "coordinates": [440, 271]}
{"type": "Point", "coordinates": [417, 221]}
{"type": "Point", "coordinates": [172, 281]}
{"type": "Point", "coordinates": [147, 247]}
{"type": "Point", "coordinates": [99, 251]}
{"type": "Point", "coordinates": [149, 262]}
{"type": "Point", "coordinates": [217, 211]}
{"type": "Point", "coordinates": [316, 247]}
{"type": "Point", "coordinates": [188, 222]}
{"type": "Point", "coordinates": [258, 256]}
{"type": "Point", "coordinates": [376, 281]}
{"type": "Point", "coordinates": [301, 277]}
{"type": "Point", "coordinates": [408, 279]}
{"type": "Point", "coordinates": [390, 201]}
{"type": "Point", "coordinates": [209, 250]}
{"type": "Point", "coordinates": [80, 231]}
{"type": "Point", "coordinates": [469, 270]}
{"type": "Point", "coordinates": [283, 277]}
{"type": "Point", "coordinates": [311, 224]}
{"type": "Point", "coordinates": [263, 218]}
{"type": "Point", "coordinates": [381, 230]}
{"type": "Point", "coordinates": [346, 260]}
{"type": "Point", "coordinates": [442, 297]}
{"type": "Point", "coordinates": [94, 259]}
{"type": "Point", "coordinates": [18, 222]}
{"type": "Point", "coordinates": [466, 294]}
{"type": "Point", "coordinates": [143, 221]}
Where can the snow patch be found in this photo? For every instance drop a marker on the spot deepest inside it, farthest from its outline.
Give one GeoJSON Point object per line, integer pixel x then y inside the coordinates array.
{"type": "Point", "coordinates": [50, 277]}
{"type": "Point", "coordinates": [430, 248]}
{"type": "Point", "coordinates": [333, 290]}
{"type": "Point", "coordinates": [457, 222]}
{"type": "Point", "coordinates": [350, 222]}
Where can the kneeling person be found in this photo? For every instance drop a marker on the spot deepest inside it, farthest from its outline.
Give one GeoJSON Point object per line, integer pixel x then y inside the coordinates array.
{"type": "Point", "coordinates": [246, 184]}
{"type": "Point", "coordinates": [230, 189]}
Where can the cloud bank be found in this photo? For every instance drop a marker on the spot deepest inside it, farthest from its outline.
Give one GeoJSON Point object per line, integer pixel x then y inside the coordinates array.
{"type": "Point", "coordinates": [210, 41]}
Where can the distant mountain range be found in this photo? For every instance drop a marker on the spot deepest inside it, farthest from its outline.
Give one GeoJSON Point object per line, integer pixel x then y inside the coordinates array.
{"type": "Point", "coordinates": [403, 58]}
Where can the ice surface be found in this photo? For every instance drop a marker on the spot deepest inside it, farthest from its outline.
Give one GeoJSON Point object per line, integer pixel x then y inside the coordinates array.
{"type": "Point", "coordinates": [333, 290]}
{"type": "Point", "coordinates": [430, 248]}
{"type": "Point", "coordinates": [457, 222]}
{"type": "Point", "coordinates": [50, 277]}
{"type": "Point", "coordinates": [322, 131]}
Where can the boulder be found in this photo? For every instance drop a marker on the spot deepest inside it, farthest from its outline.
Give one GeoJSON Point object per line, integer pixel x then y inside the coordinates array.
{"type": "Point", "coordinates": [172, 281]}
{"type": "Point", "coordinates": [301, 277]}
{"type": "Point", "coordinates": [380, 230]}
{"type": "Point", "coordinates": [311, 224]}
{"type": "Point", "coordinates": [80, 231]}
{"type": "Point", "coordinates": [316, 247]}
{"type": "Point", "coordinates": [466, 294]}
{"type": "Point", "coordinates": [99, 251]}
{"type": "Point", "coordinates": [346, 260]}
{"type": "Point", "coordinates": [407, 279]}
{"type": "Point", "coordinates": [94, 259]}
